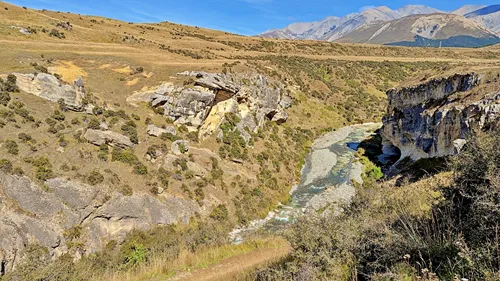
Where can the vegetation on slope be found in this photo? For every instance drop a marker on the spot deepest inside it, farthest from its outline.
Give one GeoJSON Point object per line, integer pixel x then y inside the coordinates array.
{"type": "Point", "coordinates": [439, 228]}
{"type": "Point", "coordinates": [331, 84]}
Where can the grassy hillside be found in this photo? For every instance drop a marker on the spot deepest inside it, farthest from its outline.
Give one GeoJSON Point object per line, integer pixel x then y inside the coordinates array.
{"type": "Point", "coordinates": [332, 85]}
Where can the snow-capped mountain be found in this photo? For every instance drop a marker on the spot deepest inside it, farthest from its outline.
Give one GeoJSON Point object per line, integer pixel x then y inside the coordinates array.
{"type": "Point", "coordinates": [382, 25]}
{"type": "Point", "coordinates": [488, 17]}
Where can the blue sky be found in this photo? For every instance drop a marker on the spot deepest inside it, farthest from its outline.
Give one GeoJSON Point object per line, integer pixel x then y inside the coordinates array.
{"type": "Point", "coordinates": [248, 17]}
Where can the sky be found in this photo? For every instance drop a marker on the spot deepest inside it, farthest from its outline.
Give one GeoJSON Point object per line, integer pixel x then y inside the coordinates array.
{"type": "Point", "coordinates": [246, 17]}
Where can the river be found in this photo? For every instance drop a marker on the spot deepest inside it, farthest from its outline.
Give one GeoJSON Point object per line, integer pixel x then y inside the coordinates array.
{"type": "Point", "coordinates": [326, 181]}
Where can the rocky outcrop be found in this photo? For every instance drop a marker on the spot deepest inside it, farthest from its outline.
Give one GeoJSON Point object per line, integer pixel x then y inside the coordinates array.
{"type": "Point", "coordinates": [48, 87]}
{"type": "Point", "coordinates": [430, 120]}
{"type": "Point", "coordinates": [32, 215]}
{"type": "Point", "coordinates": [111, 138]}
{"type": "Point", "coordinates": [433, 91]}
{"type": "Point", "coordinates": [203, 106]}
{"type": "Point", "coordinates": [157, 131]}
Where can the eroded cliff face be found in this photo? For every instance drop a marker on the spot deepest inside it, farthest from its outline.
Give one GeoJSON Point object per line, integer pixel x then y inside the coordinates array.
{"type": "Point", "coordinates": [63, 212]}
{"type": "Point", "coordinates": [433, 119]}
{"type": "Point", "coordinates": [204, 104]}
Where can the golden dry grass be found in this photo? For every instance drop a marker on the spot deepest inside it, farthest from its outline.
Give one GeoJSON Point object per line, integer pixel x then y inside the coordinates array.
{"type": "Point", "coordinates": [213, 263]}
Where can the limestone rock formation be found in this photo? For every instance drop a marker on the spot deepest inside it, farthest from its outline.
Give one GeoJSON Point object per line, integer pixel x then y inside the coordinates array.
{"type": "Point", "coordinates": [111, 138]}
{"type": "Point", "coordinates": [430, 120]}
{"type": "Point", "coordinates": [48, 87]}
{"type": "Point", "coordinates": [32, 215]}
{"type": "Point", "coordinates": [251, 97]}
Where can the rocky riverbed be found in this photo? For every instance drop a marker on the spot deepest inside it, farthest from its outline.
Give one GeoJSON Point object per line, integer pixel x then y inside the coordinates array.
{"type": "Point", "coordinates": [326, 181]}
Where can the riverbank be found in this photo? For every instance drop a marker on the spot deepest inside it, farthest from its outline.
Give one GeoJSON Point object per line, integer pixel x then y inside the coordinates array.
{"type": "Point", "coordinates": [326, 182]}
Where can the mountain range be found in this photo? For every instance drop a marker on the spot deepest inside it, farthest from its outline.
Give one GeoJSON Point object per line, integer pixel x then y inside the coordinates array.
{"type": "Point", "coordinates": [411, 25]}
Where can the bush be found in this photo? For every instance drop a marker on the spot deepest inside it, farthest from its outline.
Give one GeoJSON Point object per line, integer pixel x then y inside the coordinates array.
{"type": "Point", "coordinates": [98, 110]}
{"type": "Point", "coordinates": [51, 122]}
{"type": "Point", "coordinates": [220, 213]}
{"type": "Point", "coordinates": [103, 152]}
{"type": "Point", "coordinates": [11, 147]}
{"type": "Point", "coordinates": [58, 115]}
{"type": "Point", "coordinates": [9, 85]}
{"type": "Point", "coordinates": [25, 138]}
{"type": "Point", "coordinates": [5, 166]}
{"type": "Point", "coordinates": [56, 33]}
{"type": "Point", "coordinates": [43, 167]}
{"type": "Point", "coordinates": [41, 68]}
{"type": "Point", "coordinates": [199, 194]}
{"type": "Point", "coordinates": [94, 124]}
{"type": "Point", "coordinates": [140, 169]}
{"type": "Point", "coordinates": [95, 178]}
{"type": "Point", "coordinates": [4, 98]}
{"type": "Point", "coordinates": [124, 155]}
{"type": "Point", "coordinates": [130, 130]}
{"type": "Point", "coordinates": [182, 163]}
{"type": "Point", "coordinates": [169, 136]}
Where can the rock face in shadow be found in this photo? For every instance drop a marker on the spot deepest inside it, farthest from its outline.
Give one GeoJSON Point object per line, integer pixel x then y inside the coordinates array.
{"type": "Point", "coordinates": [204, 105]}
{"type": "Point", "coordinates": [48, 87]}
{"type": "Point", "coordinates": [429, 120]}
{"type": "Point", "coordinates": [32, 215]}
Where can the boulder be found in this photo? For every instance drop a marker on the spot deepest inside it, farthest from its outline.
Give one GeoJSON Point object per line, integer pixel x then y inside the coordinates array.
{"type": "Point", "coordinates": [157, 131]}
{"type": "Point", "coordinates": [280, 117]}
{"type": "Point", "coordinates": [180, 147]}
{"type": "Point", "coordinates": [48, 87]}
{"type": "Point", "coordinates": [111, 138]}
{"type": "Point", "coordinates": [188, 106]}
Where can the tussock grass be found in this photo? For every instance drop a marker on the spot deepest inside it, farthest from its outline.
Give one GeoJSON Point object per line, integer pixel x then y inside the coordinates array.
{"type": "Point", "coordinates": [246, 255]}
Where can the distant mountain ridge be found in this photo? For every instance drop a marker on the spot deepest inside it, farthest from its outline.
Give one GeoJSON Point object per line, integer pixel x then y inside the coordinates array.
{"type": "Point", "coordinates": [382, 25]}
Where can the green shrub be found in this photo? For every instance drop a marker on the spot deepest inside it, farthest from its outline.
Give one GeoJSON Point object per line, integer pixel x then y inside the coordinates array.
{"type": "Point", "coordinates": [5, 166]}
{"type": "Point", "coordinates": [11, 147]}
{"type": "Point", "coordinates": [4, 98]}
{"type": "Point", "coordinates": [18, 171]}
{"type": "Point", "coordinates": [51, 122]}
{"type": "Point", "coordinates": [75, 121]}
{"type": "Point", "coordinates": [220, 213]}
{"type": "Point", "coordinates": [62, 141]}
{"type": "Point", "coordinates": [58, 115]}
{"type": "Point", "coordinates": [124, 155]}
{"type": "Point", "coordinates": [25, 138]}
{"type": "Point", "coordinates": [135, 255]}
{"type": "Point", "coordinates": [98, 110]}
{"type": "Point", "coordinates": [94, 124]}
{"type": "Point", "coordinates": [43, 167]}
{"type": "Point", "coordinates": [9, 85]}
{"type": "Point", "coordinates": [95, 178]}
{"type": "Point", "coordinates": [199, 194]}
{"type": "Point", "coordinates": [193, 136]}
{"type": "Point", "coordinates": [169, 136]}
{"type": "Point", "coordinates": [103, 152]}
{"type": "Point", "coordinates": [181, 162]}
{"type": "Point", "coordinates": [56, 33]}
{"type": "Point", "coordinates": [182, 148]}
{"type": "Point", "coordinates": [41, 68]}
{"type": "Point", "coordinates": [126, 190]}
{"type": "Point", "coordinates": [130, 130]}
{"type": "Point", "coordinates": [140, 169]}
